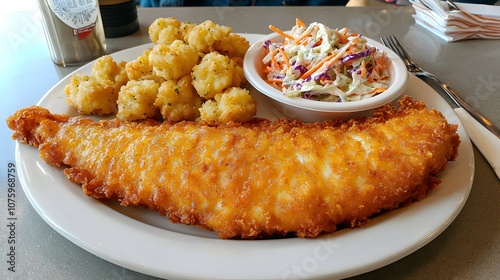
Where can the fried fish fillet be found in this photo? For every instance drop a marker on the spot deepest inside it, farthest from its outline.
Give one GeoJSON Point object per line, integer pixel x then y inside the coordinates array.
{"type": "Point", "coordinates": [252, 180]}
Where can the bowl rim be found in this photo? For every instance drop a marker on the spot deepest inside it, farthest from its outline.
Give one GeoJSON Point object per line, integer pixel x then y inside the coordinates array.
{"type": "Point", "coordinates": [399, 82]}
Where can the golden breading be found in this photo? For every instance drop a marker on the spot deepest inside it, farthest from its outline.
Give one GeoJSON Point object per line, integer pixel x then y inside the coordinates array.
{"type": "Point", "coordinates": [233, 45]}
{"type": "Point", "coordinates": [238, 60]}
{"type": "Point", "coordinates": [90, 96]}
{"type": "Point", "coordinates": [213, 74]}
{"type": "Point", "coordinates": [208, 53]}
{"type": "Point", "coordinates": [205, 35]}
{"type": "Point", "coordinates": [141, 69]}
{"type": "Point", "coordinates": [121, 77]}
{"type": "Point", "coordinates": [239, 79]}
{"type": "Point", "coordinates": [136, 100]}
{"type": "Point", "coordinates": [178, 100]}
{"type": "Point", "coordinates": [105, 68]}
{"type": "Point", "coordinates": [209, 111]}
{"type": "Point", "coordinates": [173, 61]}
{"type": "Point", "coordinates": [185, 28]}
{"type": "Point", "coordinates": [235, 104]}
{"type": "Point", "coordinates": [165, 31]}
{"type": "Point", "coordinates": [255, 179]}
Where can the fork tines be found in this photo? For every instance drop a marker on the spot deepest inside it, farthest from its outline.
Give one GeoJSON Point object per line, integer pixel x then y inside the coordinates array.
{"type": "Point", "coordinates": [392, 42]}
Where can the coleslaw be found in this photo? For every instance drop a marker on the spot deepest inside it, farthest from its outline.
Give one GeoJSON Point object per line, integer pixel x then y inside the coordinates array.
{"type": "Point", "coordinates": [320, 63]}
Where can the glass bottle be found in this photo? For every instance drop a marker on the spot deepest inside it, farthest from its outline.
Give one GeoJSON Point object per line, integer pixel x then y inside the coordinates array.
{"type": "Point", "coordinates": [74, 30]}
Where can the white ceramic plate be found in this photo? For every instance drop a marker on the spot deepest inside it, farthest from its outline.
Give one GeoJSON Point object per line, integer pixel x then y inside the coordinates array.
{"type": "Point", "coordinates": [144, 241]}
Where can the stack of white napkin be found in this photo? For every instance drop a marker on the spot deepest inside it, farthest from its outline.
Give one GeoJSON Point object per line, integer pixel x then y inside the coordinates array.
{"type": "Point", "coordinates": [470, 22]}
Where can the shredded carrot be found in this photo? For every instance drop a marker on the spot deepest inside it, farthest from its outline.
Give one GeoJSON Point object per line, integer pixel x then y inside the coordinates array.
{"type": "Point", "coordinates": [355, 41]}
{"type": "Point", "coordinates": [325, 80]}
{"type": "Point", "coordinates": [363, 69]}
{"type": "Point", "coordinates": [352, 34]}
{"type": "Point", "coordinates": [318, 43]}
{"type": "Point", "coordinates": [325, 63]}
{"type": "Point", "coordinates": [346, 30]}
{"type": "Point", "coordinates": [377, 68]}
{"type": "Point", "coordinates": [277, 30]}
{"type": "Point", "coordinates": [382, 62]}
{"type": "Point", "coordinates": [377, 90]}
{"type": "Point", "coordinates": [352, 47]}
{"type": "Point", "coordinates": [299, 23]}
{"type": "Point", "coordinates": [332, 61]}
{"type": "Point", "coordinates": [273, 84]}
{"type": "Point", "coordinates": [317, 66]}
{"type": "Point", "coordinates": [266, 70]}
{"type": "Point", "coordinates": [274, 63]}
{"type": "Point", "coordinates": [285, 58]}
{"type": "Point", "coordinates": [342, 39]}
{"type": "Point", "coordinates": [302, 36]}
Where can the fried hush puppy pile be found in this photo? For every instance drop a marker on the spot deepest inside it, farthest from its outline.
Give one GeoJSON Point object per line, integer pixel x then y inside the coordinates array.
{"type": "Point", "coordinates": [193, 72]}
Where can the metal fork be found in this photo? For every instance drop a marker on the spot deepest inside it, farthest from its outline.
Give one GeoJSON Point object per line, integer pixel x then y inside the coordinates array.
{"type": "Point", "coordinates": [452, 5]}
{"type": "Point", "coordinates": [393, 43]}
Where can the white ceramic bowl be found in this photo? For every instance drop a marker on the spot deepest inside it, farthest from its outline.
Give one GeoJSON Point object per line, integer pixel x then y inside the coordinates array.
{"type": "Point", "coordinates": [312, 110]}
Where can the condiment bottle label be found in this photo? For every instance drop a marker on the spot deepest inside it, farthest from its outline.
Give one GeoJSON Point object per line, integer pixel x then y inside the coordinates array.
{"type": "Point", "coordinates": [81, 15]}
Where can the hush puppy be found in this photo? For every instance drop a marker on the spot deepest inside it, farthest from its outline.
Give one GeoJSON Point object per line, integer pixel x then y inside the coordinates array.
{"type": "Point", "coordinates": [205, 35]}
{"type": "Point", "coordinates": [141, 69]}
{"type": "Point", "coordinates": [136, 100]}
{"type": "Point", "coordinates": [167, 30]}
{"type": "Point", "coordinates": [89, 96]}
{"type": "Point", "coordinates": [106, 68]}
{"type": "Point", "coordinates": [173, 61]}
{"type": "Point", "coordinates": [234, 104]}
{"type": "Point", "coordinates": [215, 73]}
{"type": "Point", "coordinates": [178, 100]}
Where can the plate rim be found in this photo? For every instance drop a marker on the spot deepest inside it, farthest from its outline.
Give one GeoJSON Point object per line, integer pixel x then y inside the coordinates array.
{"type": "Point", "coordinates": [220, 250]}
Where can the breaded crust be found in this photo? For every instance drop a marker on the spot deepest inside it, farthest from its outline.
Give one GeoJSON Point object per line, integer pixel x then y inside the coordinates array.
{"type": "Point", "coordinates": [252, 180]}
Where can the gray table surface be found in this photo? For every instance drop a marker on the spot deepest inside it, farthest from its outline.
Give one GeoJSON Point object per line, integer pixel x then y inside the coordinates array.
{"type": "Point", "coordinates": [468, 249]}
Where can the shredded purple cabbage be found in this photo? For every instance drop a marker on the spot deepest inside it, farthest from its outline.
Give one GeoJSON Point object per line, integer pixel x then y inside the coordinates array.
{"type": "Point", "coordinates": [322, 75]}
{"type": "Point", "coordinates": [301, 68]}
{"type": "Point", "coordinates": [266, 44]}
{"type": "Point", "coordinates": [354, 70]}
{"type": "Point", "coordinates": [309, 95]}
{"type": "Point", "coordinates": [279, 76]}
{"type": "Point", "coordinates": [296, 86]}
{"type": "Point", "coordinates": [350, 57]}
